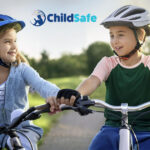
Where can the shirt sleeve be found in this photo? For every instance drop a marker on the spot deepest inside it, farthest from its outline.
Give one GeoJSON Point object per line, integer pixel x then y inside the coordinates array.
{"type": "Point", "coordinates": [41, 86]}
{"type": "Point", "coordinates": [102, 69]}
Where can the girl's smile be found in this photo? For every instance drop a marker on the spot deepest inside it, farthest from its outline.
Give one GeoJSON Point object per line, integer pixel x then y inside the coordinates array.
{"type": "Point", "coordinates": [8, 46]}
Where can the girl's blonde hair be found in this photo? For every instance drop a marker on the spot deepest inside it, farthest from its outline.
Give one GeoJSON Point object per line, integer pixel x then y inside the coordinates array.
{"type": "Point", "coordinates": [20, 58]}
{"type": "Point", "coordinates": [17, 27]}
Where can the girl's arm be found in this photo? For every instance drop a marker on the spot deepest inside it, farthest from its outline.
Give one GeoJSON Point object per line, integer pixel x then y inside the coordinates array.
{"type": "Point", "coordinates": [41, 86]}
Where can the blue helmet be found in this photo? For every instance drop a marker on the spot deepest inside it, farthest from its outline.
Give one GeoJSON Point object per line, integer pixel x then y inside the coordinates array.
{"type": "Point", "coordinates": [4, 19]}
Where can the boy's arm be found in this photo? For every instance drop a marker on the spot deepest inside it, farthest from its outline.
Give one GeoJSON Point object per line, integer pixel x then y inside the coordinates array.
{"type": "Point", "coordinates": [88, 86]}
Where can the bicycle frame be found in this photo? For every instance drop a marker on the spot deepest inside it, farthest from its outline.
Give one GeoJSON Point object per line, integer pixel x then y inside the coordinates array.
{"type": "Point", "coordinates": [124, 133]}
{"type": "Point", "coordinates": [15, 141]}
{"type": "Point", "coordinates": [82, 105]}
{"type": "Point", "coordinates": [32, 113]}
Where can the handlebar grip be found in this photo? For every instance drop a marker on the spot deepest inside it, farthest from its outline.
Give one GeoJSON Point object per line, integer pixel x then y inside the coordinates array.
{"type": "Point", "coordinates": [44, 108]}
{"type": "Point", "coordinates": [65, 107]}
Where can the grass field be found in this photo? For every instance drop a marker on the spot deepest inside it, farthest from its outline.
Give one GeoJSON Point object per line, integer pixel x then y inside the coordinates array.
{"type": "Point", "coordinates": [47, 121]}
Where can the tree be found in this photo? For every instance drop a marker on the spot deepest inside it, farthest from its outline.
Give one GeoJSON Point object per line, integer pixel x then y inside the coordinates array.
{"type": "Point", "coordinates": [71, 65]}
{"type": "Point", "coordinates": [43, 65]}
{"type": "Point", "coordinates": [95, 52]}
{"type": "Point", "coordinates": [146, 47]}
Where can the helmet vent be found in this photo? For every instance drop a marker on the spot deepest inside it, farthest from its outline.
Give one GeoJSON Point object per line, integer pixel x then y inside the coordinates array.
{"type": "Point", "coordinates": [135, 18]}
{"type": "Point", "coordinates": [119, 12]}
{"type": "Point", "coordinates": [133, 12]}
{"type": "Point", "coordinates": [1, 19]}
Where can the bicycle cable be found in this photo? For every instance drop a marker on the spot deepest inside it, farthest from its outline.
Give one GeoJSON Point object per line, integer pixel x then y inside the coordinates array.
{"type": "Point", "coordinates": [137, 143]}
{"type": "Point", "coordinates": [141, 114]}
{"type": "Point", "coordinates": [26, 138]}
{"type": "Point", "coordinates": [128, 125]}
{"type": "Point", "coordinates": [3, 140]}
{"type": "Point", "coordinates": [117, 116]}
{"type": "Point", "coordinates": [131, 129]}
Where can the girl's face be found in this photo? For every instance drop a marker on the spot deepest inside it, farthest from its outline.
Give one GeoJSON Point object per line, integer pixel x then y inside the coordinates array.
{"type": "Point", "coordinates": [8, 47]}
{"type": "Point", "coordinates": [122, 39]}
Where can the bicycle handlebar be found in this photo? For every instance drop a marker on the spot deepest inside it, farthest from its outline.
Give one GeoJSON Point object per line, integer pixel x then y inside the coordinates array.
{"type": "Point", "coordinates": [100, 103]}
{"type": "Point", "coordinates": [81, 105]}
{"type": "Point", "coordinates": [31, 114]}
{"type": "Point", "coordinates": [85, 102]}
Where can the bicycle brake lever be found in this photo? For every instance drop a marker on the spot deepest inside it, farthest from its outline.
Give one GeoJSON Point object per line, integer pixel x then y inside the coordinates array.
{"type": "Point", "coordinates": [33, 116]}
{"type": "Point", "coordinates": [80, 109]}
{"type": "Point", "coordinates": [84, 110]}
{"type": "Point", "coordinates": [40, 109]}
{"type": "Point", "coordinates": [84, 101]}
{"type": "Point", "coordinates": [21, 118]}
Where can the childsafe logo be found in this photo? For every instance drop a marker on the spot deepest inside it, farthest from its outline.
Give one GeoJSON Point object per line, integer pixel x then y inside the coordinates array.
{"type": "Point", "coordinates": [39, 18]}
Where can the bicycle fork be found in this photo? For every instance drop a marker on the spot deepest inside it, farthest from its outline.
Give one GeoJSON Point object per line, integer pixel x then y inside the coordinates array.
{"type": "Point", "coordinates": [15, 141]}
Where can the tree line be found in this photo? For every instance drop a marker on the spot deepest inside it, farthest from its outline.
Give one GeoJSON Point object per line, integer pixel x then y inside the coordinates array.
{"type": "Point", "coordinates": [69, 64]}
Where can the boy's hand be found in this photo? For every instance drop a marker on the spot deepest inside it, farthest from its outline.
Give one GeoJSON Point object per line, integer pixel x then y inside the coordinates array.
{"type": "Point", "coordinates": [67, 96]}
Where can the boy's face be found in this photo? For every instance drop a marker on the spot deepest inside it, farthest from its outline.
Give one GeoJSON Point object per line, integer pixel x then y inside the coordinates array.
{"type": "Point", "coordinates": [8, 47]}
{"type": "Point", "coordinates": [122, 39]}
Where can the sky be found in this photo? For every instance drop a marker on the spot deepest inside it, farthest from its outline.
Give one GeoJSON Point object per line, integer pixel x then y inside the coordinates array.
{"type": "Point", "coordinates": [59, 38]}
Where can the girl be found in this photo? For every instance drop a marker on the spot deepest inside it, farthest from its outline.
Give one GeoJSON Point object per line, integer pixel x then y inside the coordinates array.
{"type": "Point", "coordinates": [15, 78]}
{"type": "Point", "coordinates": [126, 76]}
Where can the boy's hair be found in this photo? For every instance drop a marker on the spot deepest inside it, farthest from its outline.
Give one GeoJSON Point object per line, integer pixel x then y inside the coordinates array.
{"type": "Point", "coordinates": [17, 27]}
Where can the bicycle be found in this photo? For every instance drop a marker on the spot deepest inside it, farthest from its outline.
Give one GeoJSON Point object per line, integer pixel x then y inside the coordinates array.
{"type": "Point", "coordinates": [125, 141]}
{"type": "Point", "coordinates": [32, 113]}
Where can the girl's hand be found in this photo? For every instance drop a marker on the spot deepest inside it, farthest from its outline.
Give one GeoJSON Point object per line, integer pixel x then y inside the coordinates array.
{"type": "Point", "coordinates": [54, 104]}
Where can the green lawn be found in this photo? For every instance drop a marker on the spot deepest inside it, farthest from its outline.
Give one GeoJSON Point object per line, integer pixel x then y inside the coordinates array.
{"type": "Point", "coordinates": [46, 121]}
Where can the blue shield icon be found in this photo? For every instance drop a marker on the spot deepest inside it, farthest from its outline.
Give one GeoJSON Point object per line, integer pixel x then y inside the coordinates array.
{"type": "Point", "coordinates": [38, 18]}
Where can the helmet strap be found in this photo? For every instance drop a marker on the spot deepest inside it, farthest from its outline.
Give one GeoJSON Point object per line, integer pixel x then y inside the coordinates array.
{"type": "Point", "coordinates": [4, 64]}
{"type": "Point", "coordinates": [137, 47]}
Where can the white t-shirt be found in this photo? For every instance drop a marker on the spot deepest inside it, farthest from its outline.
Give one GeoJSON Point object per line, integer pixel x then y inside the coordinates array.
{"type": "Point", "coordinates": [2, 92]}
